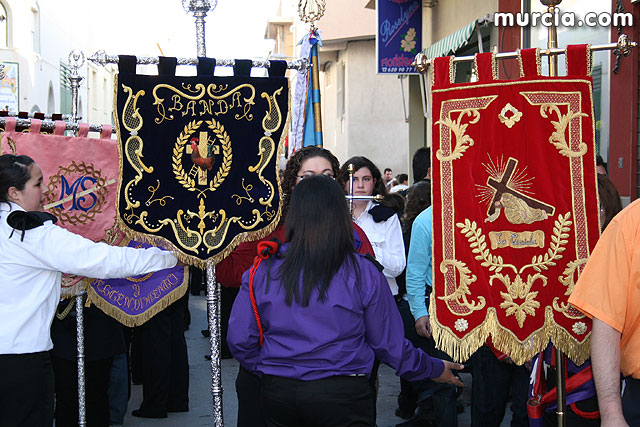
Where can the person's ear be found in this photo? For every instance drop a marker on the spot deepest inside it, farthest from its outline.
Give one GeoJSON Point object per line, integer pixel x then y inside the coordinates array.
{"type": "Point", "coordinates": [13, 194]}
{"type": "Point", "coordinates": [428, 173]}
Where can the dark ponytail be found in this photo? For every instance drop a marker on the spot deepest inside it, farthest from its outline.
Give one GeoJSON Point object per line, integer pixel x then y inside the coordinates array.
{"type": "Point", "coordinates": [14, 172]}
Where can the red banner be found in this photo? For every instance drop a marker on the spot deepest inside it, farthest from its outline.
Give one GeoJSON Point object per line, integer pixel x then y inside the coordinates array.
{"type": "Point", "coordinates": [515, 207]}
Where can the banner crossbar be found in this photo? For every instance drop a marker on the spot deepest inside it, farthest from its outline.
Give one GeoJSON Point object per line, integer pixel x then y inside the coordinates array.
{"type": "Point", "coordinates": [624, 45]}
{"type": "Point", "coordinates": [101, 58]}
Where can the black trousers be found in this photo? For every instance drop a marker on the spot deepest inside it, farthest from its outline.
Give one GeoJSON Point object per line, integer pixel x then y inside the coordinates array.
{"type": "Point", "coordinates": [96, 398]}
{"type": "Point", "coordinates": [248, 392]}
{"type": "Point", "coordinates": [494, 383]}
{"type": "Point", "coordinates": [164, 363]}
{"type": "Point", "coordinates": [26, 390]}
{"type": "Point", "coordinates": [328, 402]}
{"type": "Point", "coordinates": [631, 401]}
{"type": "Point", "coordinates": [442, 395]}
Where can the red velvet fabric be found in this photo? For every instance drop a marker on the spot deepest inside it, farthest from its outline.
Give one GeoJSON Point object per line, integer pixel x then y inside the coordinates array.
{"type": "Point", "coordinates": [515, 212]}
{"type": "Point", "coordinates": [485, 66]}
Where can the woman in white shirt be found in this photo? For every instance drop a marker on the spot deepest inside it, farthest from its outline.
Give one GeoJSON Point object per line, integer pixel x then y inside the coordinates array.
{"type": "Point", "coordinates": [33, 254]}
{"type": "Point", "coordinates": [379, 221]}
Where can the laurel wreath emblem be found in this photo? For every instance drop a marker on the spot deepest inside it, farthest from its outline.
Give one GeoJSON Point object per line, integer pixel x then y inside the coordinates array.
{"type": "Point", "coordinates": [178, 150]}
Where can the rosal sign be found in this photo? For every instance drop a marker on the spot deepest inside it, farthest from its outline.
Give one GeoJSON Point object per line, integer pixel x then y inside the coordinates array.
{"type": "Point", "coordinates": [398, 35]}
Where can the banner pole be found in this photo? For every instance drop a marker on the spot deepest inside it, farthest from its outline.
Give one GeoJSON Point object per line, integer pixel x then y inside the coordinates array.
{"type": "Point", "coordinates": [76, 60]}
{"type": "Point", "coordinates": [552, 43]}
{"type": "Point", "coordinates": [199, 8]}
{"type": "Point", "coordinates": [213, 313]}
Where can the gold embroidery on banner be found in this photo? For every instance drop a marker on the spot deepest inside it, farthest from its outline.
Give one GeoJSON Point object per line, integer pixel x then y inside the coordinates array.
{"type": "Point", "coordinates": [463, 142]}
{"type": "Point", "coordinates": [267, 147]}
{"type": "Point", "coordinates": [132, 122]}
{"type": "Point", "coordinates": [506, 187]}
{"type": "Point", "coordinates": [549, 103]}
{"type": "Point", "coordinates": [452, 71]}
{"type": "Point", "coordinates": [516, 240]}
{"type": "Point", "coordinates": [469, 107]}
{"type": "Point", "coordinates": [153, 190]}
{"type": "Point", "coordinates": [478, 245]}
{"type": "Point", "coordinates": [195, 104]}
{"type": "Point", "coordinates": [516, 210]}
{"type": "Point", "coordinates": [568, 279]}
{"type": "Point", "coordinates": [212, 89]}
{"type": "Point", "coordinates": [56, 185]}
{"type": "Point", "coordinates": [188, 180]}
{"type": "Point", "coordinates": [579, 328]}
{"type": "Point", "coordinates": [177, 103]}
{"type": "Point", "coordinates": [520, 65]}
{"type": "Point", "coordinates": [558, 241]}
{"type": "Point", "coordinates": [139, 279]}
{"type": "Point", "coordinates": [12, 145]}
{"type": "Point", "coordinates": [239, 198]}
{"type": "Point", "coordinates": [462, 290]}
{"type": "Point", "coordinates": [557, 138]}
{"type": "Point", "coordinates": [494, 66]}
{"type": "Point", "coordinates": [511, 120]}
{"type": "Point", "coordinates": [517, 289]}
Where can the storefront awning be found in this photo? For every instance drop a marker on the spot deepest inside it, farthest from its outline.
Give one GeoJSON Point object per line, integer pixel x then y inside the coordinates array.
{"type": "Point", "coordinates": [450, 44]}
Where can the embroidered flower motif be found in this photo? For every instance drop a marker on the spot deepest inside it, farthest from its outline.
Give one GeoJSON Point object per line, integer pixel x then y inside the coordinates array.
{"type": "Point", "coordinates": [408, 44]}
{"type": "Point", "coordinates": [579, 328]}
{"type": "Point", "coordinates": [462, 325]}
{"type": "Point", "coordinates": [512, 119]}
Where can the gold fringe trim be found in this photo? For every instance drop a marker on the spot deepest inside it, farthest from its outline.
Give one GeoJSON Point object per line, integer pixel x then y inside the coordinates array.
{"type": "Point", "coordinates": [139, 319]}
{"type": "Point", "coordinates": [461, 349]}
{"type": "Point", "coordinates": [183, 257]}
{"type": "Point", "coordinates": [72, 291]}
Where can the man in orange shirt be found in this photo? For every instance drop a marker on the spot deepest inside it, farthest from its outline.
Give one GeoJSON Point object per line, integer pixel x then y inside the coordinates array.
{"type": "Point", "coordinates": [608, 291]}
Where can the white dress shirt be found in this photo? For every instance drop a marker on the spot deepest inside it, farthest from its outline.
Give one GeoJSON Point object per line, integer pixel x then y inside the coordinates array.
{"type": "Point", "coordinates": [387, 242]}
{"type": "Point", "coordinates": [30, 276]}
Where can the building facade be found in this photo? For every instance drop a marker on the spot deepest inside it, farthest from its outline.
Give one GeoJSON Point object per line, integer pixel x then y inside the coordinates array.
{"type": "Point", "coordinates": [36, 38]}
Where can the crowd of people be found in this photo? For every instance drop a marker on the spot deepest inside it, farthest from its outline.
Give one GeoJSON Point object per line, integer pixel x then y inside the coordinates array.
{"type": "Point", "coordinates": [341, 285]}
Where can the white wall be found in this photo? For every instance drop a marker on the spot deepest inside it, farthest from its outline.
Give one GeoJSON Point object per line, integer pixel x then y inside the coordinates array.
{"type": "Point", "coordinates": [373, 124]}
{"type": "Point", "coordinates": [39, 70]}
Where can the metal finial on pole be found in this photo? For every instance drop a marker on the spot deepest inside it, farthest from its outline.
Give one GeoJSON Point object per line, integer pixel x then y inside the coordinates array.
{"type": "Point", "coordinates": [199, 8]}
{"type": "Point", "coordinates": [76, 60]}
{"type": "Point", "coordinates": [311, 11]}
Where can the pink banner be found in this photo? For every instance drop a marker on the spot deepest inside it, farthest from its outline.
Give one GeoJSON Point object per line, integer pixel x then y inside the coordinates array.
{"type": "Point", "coordinates": [80, 180]}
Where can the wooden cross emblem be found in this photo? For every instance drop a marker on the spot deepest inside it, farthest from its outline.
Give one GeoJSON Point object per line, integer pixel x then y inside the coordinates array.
{"type": "Point", "coordinates": [502, 187]}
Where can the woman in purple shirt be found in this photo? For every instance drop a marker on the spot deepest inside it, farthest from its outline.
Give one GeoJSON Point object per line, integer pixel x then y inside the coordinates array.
{"type": "Point", "coordinates": [326, 313]}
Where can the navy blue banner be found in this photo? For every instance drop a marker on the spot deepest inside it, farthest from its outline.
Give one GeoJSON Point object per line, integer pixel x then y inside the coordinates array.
{"type": "Point", "coordinates": [399, 35]}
